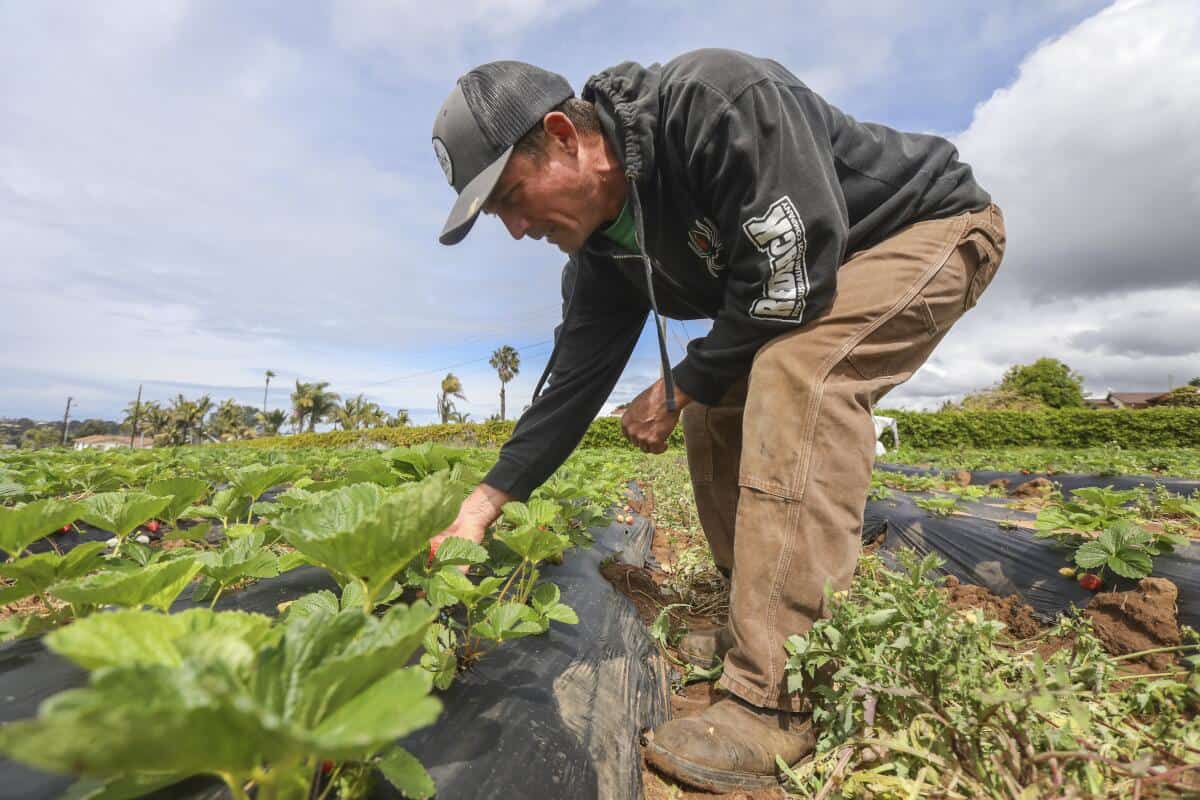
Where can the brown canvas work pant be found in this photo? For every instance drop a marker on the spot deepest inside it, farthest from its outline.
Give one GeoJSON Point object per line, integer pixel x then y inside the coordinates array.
{"type": "Point", "coordinates": [782, 466]}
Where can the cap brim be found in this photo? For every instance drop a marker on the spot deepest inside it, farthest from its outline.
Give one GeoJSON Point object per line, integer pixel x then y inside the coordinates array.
{"type": "Point", "coordinates": [471, 199]}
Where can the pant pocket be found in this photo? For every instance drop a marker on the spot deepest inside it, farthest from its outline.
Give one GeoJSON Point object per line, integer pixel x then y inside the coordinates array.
{"type": "Point", "coordinates": [698, 442]}
{"type": "Point", "coordinates": [903, 342]}
{"type": "Point", "coordinates": [983, 249]}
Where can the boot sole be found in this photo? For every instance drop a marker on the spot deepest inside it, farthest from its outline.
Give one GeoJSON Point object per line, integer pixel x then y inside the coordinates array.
{"type": "Point", "coordinates": [701, 777]}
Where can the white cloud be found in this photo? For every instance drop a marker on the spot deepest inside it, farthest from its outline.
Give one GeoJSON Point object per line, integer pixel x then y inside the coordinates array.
{"type": "Point", "coordinates": [435, 42]}
{"type": "Point", "coordinates": [1093, 155]}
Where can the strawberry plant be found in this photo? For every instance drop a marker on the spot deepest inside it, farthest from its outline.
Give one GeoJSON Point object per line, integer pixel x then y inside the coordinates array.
{"type": "Point", "coordinates": [262, 713]}
{"type": "Point", "coordinates": [366, 535]}
{"type": "Point", "coordinates": [184, 492]}
{"type": "Point", "coordinates": [121, 513]}
{"type": "Point", "coordinates": [22, 526]}
{"type": "Point", "coordinates": [244, 557]}
{"type": "Point", "coordinates": [1126, 549]}
{"type": "Point", "coordinates": [157, 586]}
{"type": "Point", "coordinates": [939, 506]}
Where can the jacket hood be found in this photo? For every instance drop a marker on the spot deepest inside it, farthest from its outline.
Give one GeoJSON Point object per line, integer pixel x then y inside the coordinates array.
{"type": "Point", "coordinates": [628, 101]}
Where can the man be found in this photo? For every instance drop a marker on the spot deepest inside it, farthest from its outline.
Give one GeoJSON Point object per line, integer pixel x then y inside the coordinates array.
{"type": "Point", "coordinates": [832, 256]}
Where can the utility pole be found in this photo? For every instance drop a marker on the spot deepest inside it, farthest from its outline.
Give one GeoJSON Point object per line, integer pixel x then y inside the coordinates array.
{"type": "Point", "coordinates": [66, 420]}
{"type": "Point", "coordinates": [137, 413]}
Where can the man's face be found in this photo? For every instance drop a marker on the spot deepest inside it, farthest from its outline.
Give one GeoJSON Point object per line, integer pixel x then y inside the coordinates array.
{"type": "Point", "coordinates": [546, 197]}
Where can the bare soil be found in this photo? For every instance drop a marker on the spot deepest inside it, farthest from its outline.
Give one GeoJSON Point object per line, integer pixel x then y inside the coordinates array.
{"type": "Point", "coordinates": [1018, 618]}
{"type": "Point", "coordinates": [1137, 620]}
{"type": "Point", "coordinates": [1126, 622]}
{"type": "Point", "coordinates": [1036, 488]}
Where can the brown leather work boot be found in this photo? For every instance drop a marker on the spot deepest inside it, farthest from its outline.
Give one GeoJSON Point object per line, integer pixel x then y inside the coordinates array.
{"type": "Point", "coordinates": [706, 647]}
{"type": "Point", "coordinates": [731, 746]}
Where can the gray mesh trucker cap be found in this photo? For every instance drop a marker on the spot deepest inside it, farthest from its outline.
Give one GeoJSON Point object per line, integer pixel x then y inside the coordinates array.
{"type": "Point", "coordinates": [491, 107]}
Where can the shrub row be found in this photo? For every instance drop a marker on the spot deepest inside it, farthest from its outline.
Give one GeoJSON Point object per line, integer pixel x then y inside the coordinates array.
{"type": "Point", "coordinates": [604, 432]}
{"type": "Point", "coordinates": [1156, 427]}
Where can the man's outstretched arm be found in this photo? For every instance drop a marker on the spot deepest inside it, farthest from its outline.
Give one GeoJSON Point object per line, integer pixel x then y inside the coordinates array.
{"type": "Point", "coordinates": [481, 508]}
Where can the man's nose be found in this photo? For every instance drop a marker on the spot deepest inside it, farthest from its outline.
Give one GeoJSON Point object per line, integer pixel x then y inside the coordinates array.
{"type": "Point", "coordinates": [517, 225]}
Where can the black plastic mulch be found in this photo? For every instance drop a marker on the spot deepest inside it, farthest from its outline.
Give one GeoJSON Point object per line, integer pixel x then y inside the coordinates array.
{"type": "Point", "coordinates": [548, 716]}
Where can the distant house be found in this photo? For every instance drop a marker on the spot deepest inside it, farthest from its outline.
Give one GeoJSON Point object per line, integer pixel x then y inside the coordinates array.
{"type": "Point", "coordinates": [1131, 400]}
{"type": "Point", "coordinates": [107, 442]}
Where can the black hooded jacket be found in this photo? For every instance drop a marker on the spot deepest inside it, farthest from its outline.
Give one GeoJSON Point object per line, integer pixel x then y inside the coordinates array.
{"type": "Point", "coordinates": [748, 191]}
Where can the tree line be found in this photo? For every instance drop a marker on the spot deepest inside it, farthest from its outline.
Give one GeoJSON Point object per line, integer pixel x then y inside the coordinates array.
{"type": "Point", "coordinates": [183, 420]}
{"type": "Point", "coordinates": [1049, 383]}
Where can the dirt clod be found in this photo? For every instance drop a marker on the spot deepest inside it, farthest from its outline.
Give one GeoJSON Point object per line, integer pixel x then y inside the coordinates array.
{"type": "Point", "coordinates": [1018, 618]}
{"type": "Point", "coordinates": [1140, 619]}
{"type": "Point", "coordinates": [999, 483]}
{"type": "Point", "coordinates": [1038, 487]}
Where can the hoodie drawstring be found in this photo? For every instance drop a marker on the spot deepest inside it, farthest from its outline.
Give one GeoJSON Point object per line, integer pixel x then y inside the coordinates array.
{"type": "Point", "coordinates": [639, 228]}
{"type": "Point", "coordinates": [635, 203]}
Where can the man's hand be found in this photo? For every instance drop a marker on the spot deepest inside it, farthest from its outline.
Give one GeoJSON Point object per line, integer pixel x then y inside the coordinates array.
{"type": "Point", "coordinates": [481, 508]}
{"type": "Point", "coordinates": [647, 423]}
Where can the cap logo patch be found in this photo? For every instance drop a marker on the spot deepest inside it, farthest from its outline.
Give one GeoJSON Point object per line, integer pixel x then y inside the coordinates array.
{"type": "Point", "coordinates": [443, 157]}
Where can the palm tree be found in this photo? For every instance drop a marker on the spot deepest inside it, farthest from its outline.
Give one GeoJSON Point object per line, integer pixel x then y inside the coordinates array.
{"type": "Point", "coordinates": [134, 413]}
{"type": "Point", "coordinates": [507, 363]}
{"type": "Point", "coordinates": [156, 420]}
{"type": "Point", "coordinates": [272, 421]}
{"type": "Point", "coordinates": [270, 374]}
{"type": "Point", "coordinates": [185, 419]}
{"type": "Point", "coordinates": [451, 387]}
{"type": "Point", "coordinates": [313, 403]}
{"type": "Point", "coordinates": [229, 421]}
{"type": "Point", "coordinates": [358, 412]}
{"type": "Point", "coordinates": [203, 406]}
{"type": "Point", "coordinates": [300, 405]}
{"type": "Point", "coordinates": [399, 419]}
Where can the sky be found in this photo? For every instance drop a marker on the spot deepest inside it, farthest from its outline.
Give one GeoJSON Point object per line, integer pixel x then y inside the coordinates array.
{"type": "Point", "coordinates": [192, 193]}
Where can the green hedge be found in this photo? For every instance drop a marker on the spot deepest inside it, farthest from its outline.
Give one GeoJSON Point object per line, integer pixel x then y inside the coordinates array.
{"type": "Point", "coordinates": [1155, 427]}
{"type": "Point", "coordinates": [1163, 427]}
{"type": "Point", "coordinates": [604, 432]}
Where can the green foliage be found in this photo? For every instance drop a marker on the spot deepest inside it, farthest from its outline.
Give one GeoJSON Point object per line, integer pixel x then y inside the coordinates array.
{"type": "Point", "coordinates": [183, 492]}
{"type": "Point", "coordinates": [1123, 548]}
{"type": "Point", "coordinates": [156, 585]}
{"type": "Point", "coordinates": [21, 527]}
{"type": "Point", "coordinates": [913, 698]}
{"type": "Point", "coordinates": [1061, 428]}
{"type": "Point", "coordinates": [1179, 397]}
{"type": "Point", "coordinates": [330, 686]}
{"type": "Point", "coordinates": [939, 506]}
{"type": "Point", "coordinates": [361, 533]}
{"type": "Point", "coordinates": [405, 772]}
{"type": "Point", "coordinates": [125, 638]}
{"type": "Point", "coordinates": [32, 575]}
{"type": "Point", "coordinates": [122, 512]}
{"type": "Point", "coordinates": [604, 432]}
{"type": "Point", "coordinates": [1048, 380]}
{"type": "Point", "coordinates": [244, 557]}
{"type": "Point", "coordinates": [1089, 509]}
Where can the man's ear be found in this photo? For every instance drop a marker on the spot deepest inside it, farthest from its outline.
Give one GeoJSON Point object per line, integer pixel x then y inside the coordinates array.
{"type": "Point", "coordinates": [561, 131]}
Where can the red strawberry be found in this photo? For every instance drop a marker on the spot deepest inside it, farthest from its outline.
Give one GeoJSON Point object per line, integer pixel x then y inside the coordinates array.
{"type": "Point", "coordinates": [1090, 581]}
{"type": "Point", "coordinates": [152, 526]}
{"type": "Point", "coordinates": [326, 767]}
{"type": "Point", "coordinates": [65, 528]}
{"type": "Point", "coordinates": [432, 552]}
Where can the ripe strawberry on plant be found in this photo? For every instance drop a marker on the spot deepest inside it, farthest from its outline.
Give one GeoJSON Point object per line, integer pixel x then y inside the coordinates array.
{"type": "Point", "coordinates": [1090, 581]}
{"type": "Point", "coordinates": [65, 528]}
{"type": "Point", "coordinates": [152, 526]}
